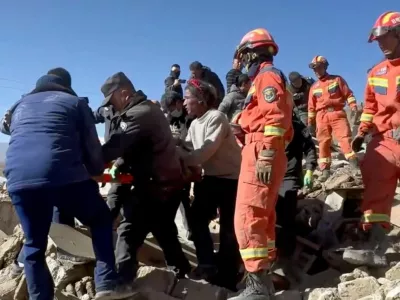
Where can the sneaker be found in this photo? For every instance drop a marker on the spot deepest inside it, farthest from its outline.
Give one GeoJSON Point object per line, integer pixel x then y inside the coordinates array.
{"type": "Point", "coordinates": [121, 292]}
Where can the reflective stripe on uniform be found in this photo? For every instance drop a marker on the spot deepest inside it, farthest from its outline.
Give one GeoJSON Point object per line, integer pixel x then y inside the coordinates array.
{"type": "Point", "coordinates": [251, 253]}
{"type": "Point", "coordinates": [311, 114]}
{"type": "Point", "coordinates": [366, 117]}
{"type": "Point", "coordinates": [324, 160]}
{"type": "Point", "coordinates": [380, 82]}
{"type": "Point", "coordinates": [351, 100]}
{"type": "Point", "coordinates": [375, 218]}
{"type": "Point", "coordinates": [273, 130]}
{"type": "Point", "coordinates": [350, 154]}
{"type": "Point", "coordinates": [398, 83]}
{"type": "Point", "coordinates": [317, 92]}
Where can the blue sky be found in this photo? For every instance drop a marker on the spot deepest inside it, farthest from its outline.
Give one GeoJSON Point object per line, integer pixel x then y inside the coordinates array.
{"type": "Point", "coordinates": [96, 38]}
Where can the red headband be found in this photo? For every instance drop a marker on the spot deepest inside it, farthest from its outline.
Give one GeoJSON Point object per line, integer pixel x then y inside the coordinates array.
{"type": "Point", "coordinates": [196, 84]}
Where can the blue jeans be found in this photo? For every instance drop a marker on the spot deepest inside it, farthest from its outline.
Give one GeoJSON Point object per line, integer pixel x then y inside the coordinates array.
{"type": "Point", "coordinates": [59, 218]}
{"type": "Point", "coordinates": [35, 211]}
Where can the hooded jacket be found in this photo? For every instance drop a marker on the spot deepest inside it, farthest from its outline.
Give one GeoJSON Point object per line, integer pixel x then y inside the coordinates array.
{"type": "Point", "coordinates": [53, 139]}
{"type": "Point", "coordinates": [213, 79]}
{"type": "Point", "coordinates": [232, 103]}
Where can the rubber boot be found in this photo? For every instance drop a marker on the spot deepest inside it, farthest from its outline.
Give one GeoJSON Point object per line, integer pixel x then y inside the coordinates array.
{"type": "Point", "coordinates": [259, 286]}
{"type": "Point", "coordinates": [353, 161]}
{"type": "Point", "coordinates": [371, 252]}
{"type": "Point", "coordinates": [325, 175]}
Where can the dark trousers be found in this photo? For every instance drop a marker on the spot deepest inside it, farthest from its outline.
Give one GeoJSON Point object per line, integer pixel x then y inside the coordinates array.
{"type": "Point", "coordinates": [286, 207]}
{"type": "Point", "coordinates": [35, 211]}
{"type": "Point", "coordinates": [210, 194]}
{"type": "Point", "coordinates": [117, 194]}
{"type": "Point", "coordinates": [58, 217]}
{"type": "Point", "coordinates": [145, 213]}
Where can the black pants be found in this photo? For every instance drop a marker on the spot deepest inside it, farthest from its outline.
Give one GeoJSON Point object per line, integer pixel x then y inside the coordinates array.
{"type": "Point", "coordinates": [144, 214]}
{"type": "Point", "coordinates": [117, 194]}
{"type": "Point", "coordinates": [212, 193]}
{"type": "Point", "coordinates": [286, 207]}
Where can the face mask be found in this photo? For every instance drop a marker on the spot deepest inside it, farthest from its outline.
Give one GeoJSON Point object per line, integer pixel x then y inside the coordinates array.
{"type": "Point", "coordinates": [177, 73]}
{"type": "Point", "coordinates": [176, 113]}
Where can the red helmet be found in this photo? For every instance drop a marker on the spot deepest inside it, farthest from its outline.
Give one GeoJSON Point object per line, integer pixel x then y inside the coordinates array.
{"type": "Point", "coordinates": [259, 37]}
{"type": "Point", "coordinates": [318, 60]}
{"type": "Point", "coordinates": [388, 21]}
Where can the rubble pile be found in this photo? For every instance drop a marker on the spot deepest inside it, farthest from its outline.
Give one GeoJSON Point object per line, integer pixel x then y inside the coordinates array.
{"type": "Point", "coordinates": [327, 215]}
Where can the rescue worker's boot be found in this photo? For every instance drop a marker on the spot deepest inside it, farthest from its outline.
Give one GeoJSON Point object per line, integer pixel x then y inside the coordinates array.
{"type": "Point", "coordinates": [325, 175]}
{"type": "Point", "coordinates": [353, 161]}
{"type": "Point", "coordinates": [259, 286]}
{"type": "Point", "coordinates": [371, 251]}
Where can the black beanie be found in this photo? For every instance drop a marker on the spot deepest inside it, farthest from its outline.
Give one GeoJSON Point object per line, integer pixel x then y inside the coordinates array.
{"type": "Point", "coordinates": [63, 74]}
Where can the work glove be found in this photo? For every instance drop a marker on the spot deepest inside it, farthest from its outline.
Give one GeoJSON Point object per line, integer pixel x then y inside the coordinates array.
{"type": "Point", "coordinates": [264, 166]}
{"type": "Point", "coordinates": [357, 143]}
{"type": "Point", "coordinates": [311, 128]}
{"type": "Point", "coordinates": [353, 111]}
{"type": "Point", "coordinates": [396, 134]}
{"type": "Point", "coordinates": [308, 179]}
{"type": "Point", "coordinates": [114, 172]}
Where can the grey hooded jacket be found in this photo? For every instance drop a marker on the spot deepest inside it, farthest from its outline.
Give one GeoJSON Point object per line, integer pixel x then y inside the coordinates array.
{"type": "Point", "coordinates": [232, 102]}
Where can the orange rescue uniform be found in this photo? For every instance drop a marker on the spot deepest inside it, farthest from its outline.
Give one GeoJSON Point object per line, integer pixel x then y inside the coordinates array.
{"type": "Point", "coordinates": [267, 123]}
{"type": "Point", "coordinates": [327, 99]}
{"type": "Point", "coordinates": [381, 165]}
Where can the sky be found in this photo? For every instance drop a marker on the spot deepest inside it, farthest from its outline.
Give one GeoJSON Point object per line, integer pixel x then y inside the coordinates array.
{"type": "Point", "coordinates": [95, 38]}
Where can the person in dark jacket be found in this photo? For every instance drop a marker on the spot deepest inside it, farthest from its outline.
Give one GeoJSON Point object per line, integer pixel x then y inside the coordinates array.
{"type": "Point", "coordinates": [172, 82]}
{"type": "Point", "coordinates": [299, 86]}
{"type": "Point", "coordinates": [53, 153]}
{"type": "Point", "coordinates": [234, 99]}
{"type": "Point", "coordinates": [301, 144]}
{"type": "Point", "coordinates": [233, 74]}
{"type": "Point", "coordinates": [141, 140]}
{"type": "Point", "coordinates": [204, 73]}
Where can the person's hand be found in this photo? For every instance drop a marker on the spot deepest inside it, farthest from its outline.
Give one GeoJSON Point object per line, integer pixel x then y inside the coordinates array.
{"type": "Point", "coordinates": [177, 82]}
{"type": "Point", "coordinates": [114, 172]}
{"type": "Point", "coordinates": [396, 134]}
{"type": "Point", "coordinates": [357, 143]}
{"type": "Point", "coordinates": [264, 166]}
{"type": "Point", "coordinates": [311, 128]}
{"type": "Point", "coordinates": [308, 179]}
{"type": "Point", "coordinates": [353, 111]}
{"type": "Point", "coordinates": [7, 118]}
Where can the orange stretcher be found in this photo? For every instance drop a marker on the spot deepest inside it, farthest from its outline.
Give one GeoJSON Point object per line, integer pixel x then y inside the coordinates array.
{"type": "Point", "coordinates": [121, 178]}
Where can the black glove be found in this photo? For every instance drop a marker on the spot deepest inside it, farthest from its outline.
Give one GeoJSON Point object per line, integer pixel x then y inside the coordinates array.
{"type": "Point", "coordinates": [312, 129]}
{"type": "Point", "coordinates": [357, 143]}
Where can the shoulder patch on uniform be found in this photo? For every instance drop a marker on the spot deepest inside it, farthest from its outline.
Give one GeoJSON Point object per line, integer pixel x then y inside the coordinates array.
{"type": "Point", "coordinates": [269, 94]}
{"type": "Point", "coordinates": [123, 126]}
{"type": "Point", "coordinates": [381, 71]}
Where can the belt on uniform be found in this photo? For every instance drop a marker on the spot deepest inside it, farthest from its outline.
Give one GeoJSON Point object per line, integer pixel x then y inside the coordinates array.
{"type": "Point", "coordinates": [330, 109]}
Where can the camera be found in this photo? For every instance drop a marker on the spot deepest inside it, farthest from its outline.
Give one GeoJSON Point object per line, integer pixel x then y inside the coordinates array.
{"type": "Point", "coordinates": [182, 80]}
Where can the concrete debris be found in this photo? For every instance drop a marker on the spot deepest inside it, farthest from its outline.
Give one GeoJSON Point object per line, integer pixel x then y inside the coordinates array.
{"type": "Point", "coordinates": [322, 294]}
{"type": "Point", "coordinates": [393, 273]}
{"type": "Point", "coordinates": [358, 288]}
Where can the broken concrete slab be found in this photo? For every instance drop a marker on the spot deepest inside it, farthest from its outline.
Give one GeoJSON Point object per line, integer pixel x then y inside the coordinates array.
{"type": "Point", "coordinates": [322, 294]}
{"type": "Point", "coordinates": [160, 280]}
{"type": "Point", "coordinates": [198, 290]}
{"type": "Point", "coordinates": [288, 295]}
{"type": "Point", "coordinates": [71, 241]}
{"type": "Point", "coordinates": [358, 288]}
{"type": "Point", "coordinates": [8, 287]}
{"type": "Point", "coordinates": [357, 273]}
{"type": "Point", "coordinates": [393, 294]}
{"type": "Point", "coordinates": [8, 217]}
{"type": "Point", "coordinates": [10, 249]}
{"type": "Point", "coordinates": [393, 273]}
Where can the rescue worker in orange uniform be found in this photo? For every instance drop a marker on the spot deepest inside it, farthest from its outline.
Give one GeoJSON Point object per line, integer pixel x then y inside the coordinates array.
{"type": "Point", "coordinates": [266, 122]}
{"type": "Point", "coordinates": [326, 102]}
{"type": "Point", "coordinates": [381, 166]}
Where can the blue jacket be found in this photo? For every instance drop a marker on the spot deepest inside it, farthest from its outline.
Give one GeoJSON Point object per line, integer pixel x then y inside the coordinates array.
{"type": "Point", "coordinates": [53, 142]}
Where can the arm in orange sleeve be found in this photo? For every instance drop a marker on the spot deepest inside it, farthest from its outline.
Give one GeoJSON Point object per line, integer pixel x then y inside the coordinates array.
{"type": "Point", "coordinates": [311, 107]}
{"type": "Point", "coordinates": [274, 106]}
{"type": "Point", "coordinates": [370, 109]}
{"type": "Point", "coordinates": [347, 93]}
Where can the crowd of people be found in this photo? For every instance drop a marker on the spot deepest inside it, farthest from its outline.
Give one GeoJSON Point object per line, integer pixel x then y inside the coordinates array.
{"type": "Point", "coordinates": [241, 149]}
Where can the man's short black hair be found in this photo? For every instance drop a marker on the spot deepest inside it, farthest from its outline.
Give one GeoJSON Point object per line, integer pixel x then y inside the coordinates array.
{"type": "Point", "coordinates": [176, 66]}
{"type": "Point", "coordinates": [242, 79]}
{"type": "Point", "coordinates": [168, 98]}
{"type": "Point", "coordinates": [63, 74]}
{"type": "Point", "coordinates": [293, 76]}
{"type": "Point", "coordinates": [196, 65]}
